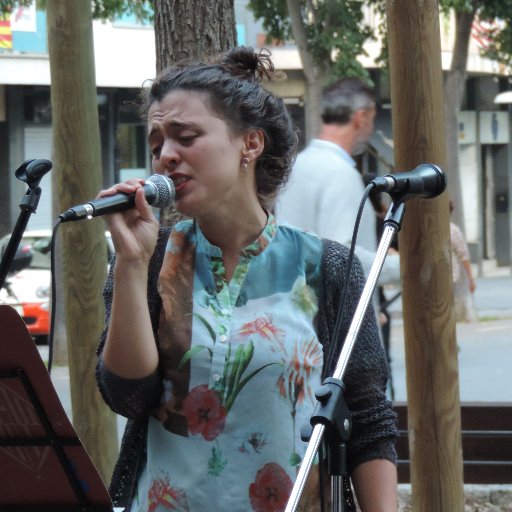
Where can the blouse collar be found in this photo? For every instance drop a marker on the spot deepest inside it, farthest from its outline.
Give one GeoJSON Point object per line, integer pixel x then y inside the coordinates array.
{"type": "Point", "coordinates": [250, 251]}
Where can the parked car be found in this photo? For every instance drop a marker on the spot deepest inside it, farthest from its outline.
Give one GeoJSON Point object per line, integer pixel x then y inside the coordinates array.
{"type": "Point", "coordinates": [32, 285]}
{"type": "Point", "coordinates": [21, 260]}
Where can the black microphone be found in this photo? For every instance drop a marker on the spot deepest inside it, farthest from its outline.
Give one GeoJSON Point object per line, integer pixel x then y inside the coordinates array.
{"type": "Point", "coordinates": [427, 180]}
{"type": "Point", "coordinates": [158, 190]}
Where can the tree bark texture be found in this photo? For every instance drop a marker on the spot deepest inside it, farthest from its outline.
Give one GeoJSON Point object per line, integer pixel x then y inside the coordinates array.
{"type": "Point", "coordinates": [429, 322]}
{"type": "Point", "coordinates": [188, 30]}
{"type": "Point", "coordinates": [77, 168]}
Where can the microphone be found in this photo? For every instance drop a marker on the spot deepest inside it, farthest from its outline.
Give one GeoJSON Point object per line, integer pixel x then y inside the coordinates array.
{"type": "Point", "coordinates": [158, 190]}
{"type": "Point", "coordinates": [427, 180]}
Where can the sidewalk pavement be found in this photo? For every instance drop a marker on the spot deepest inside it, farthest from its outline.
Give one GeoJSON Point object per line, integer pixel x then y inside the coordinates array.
{"type": "Point", "coordinates": [493, 294]}
{"type": "Point", "coordinates": [489, 268]}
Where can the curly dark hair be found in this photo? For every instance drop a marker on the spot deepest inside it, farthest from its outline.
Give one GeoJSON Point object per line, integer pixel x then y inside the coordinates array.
{"type": "Point", "coordinates": [233, 87]}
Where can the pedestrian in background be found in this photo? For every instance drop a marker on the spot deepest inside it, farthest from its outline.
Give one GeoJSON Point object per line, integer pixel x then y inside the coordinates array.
{"type": "Point", "coordinates": [464, 283]}
{"type": "Point", "coordinates": [325, 187]}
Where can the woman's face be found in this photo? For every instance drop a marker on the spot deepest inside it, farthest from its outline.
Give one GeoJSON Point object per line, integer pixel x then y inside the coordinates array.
{"type": "Point", "coordinates": [196, 149]}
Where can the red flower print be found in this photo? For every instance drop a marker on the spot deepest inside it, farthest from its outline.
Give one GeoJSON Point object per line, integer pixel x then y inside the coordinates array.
{"type": "Point", "coordinates": [204, 412]}
{"type": "Point", "coordinates": [161, 494]}
{"type": "Point", "coordinates": [271, 489]}
{"type": "Point", "coordinates": [263, 326]}
{"type": "Point", "coordinates": [293, 383]}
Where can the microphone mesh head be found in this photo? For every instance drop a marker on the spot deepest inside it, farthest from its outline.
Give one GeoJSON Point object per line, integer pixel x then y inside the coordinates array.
{"type": "Point", "coordinates": [165, 191]}
{"type": "Point", "coordinates": [442, 181]}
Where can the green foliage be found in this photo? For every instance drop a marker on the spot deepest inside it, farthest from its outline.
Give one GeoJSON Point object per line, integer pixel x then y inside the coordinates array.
{"type": "Point", "coordinates": [334, 28]}
{"type": "Point", "coordinates": [336, 33]}
{"type": "Point", "coordinates": [500, 48]}
{"type": "Point", "coordinates": [101, 9]}
{"type": "Point", "coordinates": [6, 6]}
{"type": "Point", "coordinates": [458, 5]}
{"type": "Point", "coordinates": [274, 16]}
{"type": "Point", "coordinates": [106, 9]}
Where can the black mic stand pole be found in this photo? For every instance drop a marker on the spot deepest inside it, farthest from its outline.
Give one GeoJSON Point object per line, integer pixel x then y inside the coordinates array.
{"type": "Point", "coordinates": [331, 415]}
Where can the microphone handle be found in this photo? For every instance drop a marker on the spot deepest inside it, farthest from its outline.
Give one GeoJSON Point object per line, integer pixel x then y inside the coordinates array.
{"type": "Point", "coordinates": [116, 203]}
{"type": "Point", "coordinates": [106, 205]}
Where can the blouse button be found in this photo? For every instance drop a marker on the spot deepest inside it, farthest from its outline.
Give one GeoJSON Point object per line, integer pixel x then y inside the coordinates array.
{"type": "Point", "coordinates": [223, 338]}
{"type": "Point", "coordinates": [216, 377]}
{"type": "Point", "coordinates": [224, 311]}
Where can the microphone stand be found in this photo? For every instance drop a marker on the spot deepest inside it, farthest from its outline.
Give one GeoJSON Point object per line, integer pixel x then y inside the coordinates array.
{"type": "Point", "coordinates": [31, 172]}
{"type": "Point", "coordinates": [331, 415]}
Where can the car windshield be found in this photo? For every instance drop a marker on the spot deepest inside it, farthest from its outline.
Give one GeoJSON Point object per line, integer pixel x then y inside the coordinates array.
{"type": "Point", "coordinates": [41, 251]}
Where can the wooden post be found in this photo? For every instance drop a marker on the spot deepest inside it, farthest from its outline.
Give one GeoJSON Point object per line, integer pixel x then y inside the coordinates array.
{"type": "Point", "coordinates": [77, 168]}
{"type": "Point", "coordinates": [429, 322]}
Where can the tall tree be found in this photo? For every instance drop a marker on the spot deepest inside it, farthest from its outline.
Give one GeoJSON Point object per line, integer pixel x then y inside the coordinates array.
{"type": "Point", "coordinates": [329, 36]}
{"type": "Point", "coordinates": [77, 168]}
{"type": "Point", "coordinates": [429, 321]}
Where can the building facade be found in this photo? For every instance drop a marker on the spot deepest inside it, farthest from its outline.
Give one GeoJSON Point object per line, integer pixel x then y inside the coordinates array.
{"type": "Point", "coordinates": [125, 58]}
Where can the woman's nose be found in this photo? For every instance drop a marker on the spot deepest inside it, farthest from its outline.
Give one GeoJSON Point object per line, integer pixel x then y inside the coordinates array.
{"type": "Point", "coordinates": [169, 155]}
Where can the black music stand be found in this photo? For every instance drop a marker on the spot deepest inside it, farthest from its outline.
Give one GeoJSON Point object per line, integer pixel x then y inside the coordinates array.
{"type": "Point", "coordinates": [43, 464]}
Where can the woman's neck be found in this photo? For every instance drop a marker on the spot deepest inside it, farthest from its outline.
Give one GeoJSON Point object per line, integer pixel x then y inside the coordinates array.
{"type": "Point", "coordinates": [232, 234]}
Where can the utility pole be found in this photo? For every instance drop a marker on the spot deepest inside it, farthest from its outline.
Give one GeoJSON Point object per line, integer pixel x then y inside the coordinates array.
{"type": "Point", "coordinates": [429, 322]}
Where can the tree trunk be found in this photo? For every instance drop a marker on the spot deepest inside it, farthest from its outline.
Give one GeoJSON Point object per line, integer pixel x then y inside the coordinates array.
{"type": "Point", "coordinates": [187, 31]}
{"type": "Point", "coordinates": [429, 320]}
{"type": "Point", "coordinates": [77, 167]}
{"type": "Point", "coordinates": [315, 75]}
{"type": "Point", "coordinates": [454, 84]}
{"type": "Point", "coordinates": [60, 340]}
{"type": "Point", "coordinates": [312, 118]}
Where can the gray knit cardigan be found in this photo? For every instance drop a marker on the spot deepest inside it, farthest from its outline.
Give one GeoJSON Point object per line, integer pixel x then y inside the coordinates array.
{"type": "Point", "coordinates": [373, 420]}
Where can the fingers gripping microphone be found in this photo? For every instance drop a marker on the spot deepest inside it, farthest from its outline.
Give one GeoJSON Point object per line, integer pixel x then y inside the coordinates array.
{"type": "Point", "coordinates": [427, 180]}
{"type": "Point", "coordinates": [158, 190]}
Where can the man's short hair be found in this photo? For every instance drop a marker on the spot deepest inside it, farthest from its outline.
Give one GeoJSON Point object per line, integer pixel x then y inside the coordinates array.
{"type": "Point", "coordinates": [344, 97]}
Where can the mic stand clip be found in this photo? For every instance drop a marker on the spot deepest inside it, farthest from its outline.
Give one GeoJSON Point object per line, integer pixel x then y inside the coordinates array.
{"type": "Point", "coordinates": [31, 172]}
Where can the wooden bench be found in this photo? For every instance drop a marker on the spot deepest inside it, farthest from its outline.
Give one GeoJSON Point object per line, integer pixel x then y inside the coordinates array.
{"type": "Point", "coordinates": [486, 443]}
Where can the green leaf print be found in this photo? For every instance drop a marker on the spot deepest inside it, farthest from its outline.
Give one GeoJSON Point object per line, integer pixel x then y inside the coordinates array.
{"type": "Point", "coordinates": [209, 328]}
{"type": "Point", "coordinates": [232, 381]}
{"type": "Point", "coordinates": [215, 462]}
{"type": "Point", "coordinates": [191, 353]}
{"type": "Point", "coordinates": [231, 398]}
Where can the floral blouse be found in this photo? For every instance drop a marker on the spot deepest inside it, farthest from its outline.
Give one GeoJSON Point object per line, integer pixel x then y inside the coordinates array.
{"type": "Point", "coordinates": [240, 362]}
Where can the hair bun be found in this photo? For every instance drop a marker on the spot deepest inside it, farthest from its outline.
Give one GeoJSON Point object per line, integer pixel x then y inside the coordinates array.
{"type": "Point", "coordinates": [245, 63]}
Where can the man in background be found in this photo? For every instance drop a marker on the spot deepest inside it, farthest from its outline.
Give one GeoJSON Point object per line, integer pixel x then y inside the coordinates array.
{"type": "Point", "coordinates": [325, 187]}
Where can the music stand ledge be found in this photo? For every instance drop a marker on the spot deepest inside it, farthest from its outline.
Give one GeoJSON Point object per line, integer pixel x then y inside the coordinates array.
{"type": "Point", "coordinates": [43, 464]}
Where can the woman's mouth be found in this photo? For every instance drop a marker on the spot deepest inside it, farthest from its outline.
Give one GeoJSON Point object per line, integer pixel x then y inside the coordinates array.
{"type": "Point", "coordinates": [179, 181]}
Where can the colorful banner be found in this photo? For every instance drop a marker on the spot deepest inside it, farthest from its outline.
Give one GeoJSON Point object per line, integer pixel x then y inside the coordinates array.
{"type": "Point", "coordinates": [5, 32]}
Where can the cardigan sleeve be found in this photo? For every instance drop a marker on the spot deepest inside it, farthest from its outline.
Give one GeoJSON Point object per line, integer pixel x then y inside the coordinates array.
{"type": "Point", "coordinates": [373, 419]}
{"type": "Point", "coordinates": [132, 398]}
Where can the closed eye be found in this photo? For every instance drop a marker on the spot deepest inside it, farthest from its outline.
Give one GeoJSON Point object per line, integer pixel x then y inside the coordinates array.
{"type": "Point", "coordinates": [186, 140]}
{"type": "Point", "coordinates": [155, 151]}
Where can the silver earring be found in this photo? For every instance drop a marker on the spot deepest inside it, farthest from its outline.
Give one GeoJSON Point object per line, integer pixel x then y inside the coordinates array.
{"type": "Point", "coordinates": [244, 163]}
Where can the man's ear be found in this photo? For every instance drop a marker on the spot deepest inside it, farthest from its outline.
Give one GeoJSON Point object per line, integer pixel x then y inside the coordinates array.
{"type": "Point", "coordinates": [358, 118]}
{"type": "Point", "coordinates": [254, 144]}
